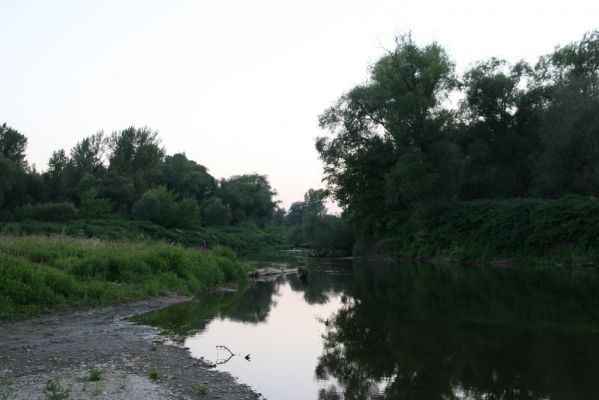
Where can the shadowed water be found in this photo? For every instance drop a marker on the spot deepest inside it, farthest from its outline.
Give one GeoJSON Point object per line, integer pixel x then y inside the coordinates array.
{"type": "Point", "coordinates": [378, 330]}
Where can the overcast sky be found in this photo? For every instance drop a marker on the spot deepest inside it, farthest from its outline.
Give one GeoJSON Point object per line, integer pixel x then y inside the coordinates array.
{"type": "Point", "coordinates": [236, 85]}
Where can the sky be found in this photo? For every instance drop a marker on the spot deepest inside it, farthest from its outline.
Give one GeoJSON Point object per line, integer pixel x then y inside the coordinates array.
{"type": "Point", "coordinates": [236, 85]}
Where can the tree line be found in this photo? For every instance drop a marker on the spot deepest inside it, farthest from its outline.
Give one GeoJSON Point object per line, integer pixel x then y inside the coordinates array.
{"type": "Point", "coordinates": [128, 174]}
{"type": "Point", "coordinates": [417, 135]}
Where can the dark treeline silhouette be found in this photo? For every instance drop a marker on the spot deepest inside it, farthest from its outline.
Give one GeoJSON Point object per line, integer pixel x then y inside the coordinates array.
{"type": "Point", "coordinates": [401, 145]}
{"type": "Point", "coordinates": [312, 226]}
{"type": "Point", "coordinates": [127, 174]}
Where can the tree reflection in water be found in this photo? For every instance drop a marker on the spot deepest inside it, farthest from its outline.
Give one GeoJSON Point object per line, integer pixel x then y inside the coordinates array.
{"type": "Point", "coordinates": [424, 332]}
{"type": "Point", "coordinates": [429, 332]}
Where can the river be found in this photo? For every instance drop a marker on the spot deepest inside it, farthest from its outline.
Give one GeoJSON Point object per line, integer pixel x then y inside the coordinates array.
{"type": "Point", "coordinates": [372, 329]}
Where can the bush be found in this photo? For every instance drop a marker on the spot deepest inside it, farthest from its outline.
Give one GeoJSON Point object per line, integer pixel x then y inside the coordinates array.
{"type": "Point", "coordinates": [94, 207]}
{"type": "Point", "coordinates": [159, 205]}
{"type": "Point", "coordinates": [566, 229]}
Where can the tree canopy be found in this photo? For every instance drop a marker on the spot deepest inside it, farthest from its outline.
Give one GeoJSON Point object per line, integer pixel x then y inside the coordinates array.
{"type": "Point", "coordinates": [402, 141]}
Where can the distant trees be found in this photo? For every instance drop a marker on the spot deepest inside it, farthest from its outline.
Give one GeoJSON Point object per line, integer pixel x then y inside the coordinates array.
{"type": "Point", "coordinates": [12, 145]}
{"type": "Point", "coordinates": [187, 178]}
{"type": "Point", "coordinates": [311, 226]}
{"type": "Point", "coordinates": [127, 174]}
{"type": "Point", "coordinates": [250, 198]}
{"type": "Point", "coordinates": [397, 149]}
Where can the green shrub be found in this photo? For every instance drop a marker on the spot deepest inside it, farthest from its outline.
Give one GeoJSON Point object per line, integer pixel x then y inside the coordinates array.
{"type": "Point", "coordinates": [565, 229]}
{"type": "Point", "coordinates": [159, 205]}
{"type": "Point", "coordinates": [94, 207]}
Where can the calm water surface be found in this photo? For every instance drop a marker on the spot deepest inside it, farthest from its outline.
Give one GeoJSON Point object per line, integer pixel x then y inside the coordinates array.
{"type": "Point", "coordinates": [376, 330]}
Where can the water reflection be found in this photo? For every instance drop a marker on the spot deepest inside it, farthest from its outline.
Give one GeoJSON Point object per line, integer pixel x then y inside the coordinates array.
{"type": "Point", "coordinates": [375, 330]}
{"type": "Point", "coordinates": [424, 332]}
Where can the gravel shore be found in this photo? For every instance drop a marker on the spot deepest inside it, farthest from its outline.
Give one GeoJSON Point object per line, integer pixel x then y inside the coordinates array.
{"type": "Point", "coordinates": [99, 354]}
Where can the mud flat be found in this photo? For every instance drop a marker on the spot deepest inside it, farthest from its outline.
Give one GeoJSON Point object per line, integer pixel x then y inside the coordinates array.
{"type": "Point", "coordinates": [99, 354]}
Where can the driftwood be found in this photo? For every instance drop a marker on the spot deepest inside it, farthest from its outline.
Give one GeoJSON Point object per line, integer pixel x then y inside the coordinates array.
{"type": "Point", "coordinates": [228, 357]}
{"type": "Point", "coordinates": [270, 271]}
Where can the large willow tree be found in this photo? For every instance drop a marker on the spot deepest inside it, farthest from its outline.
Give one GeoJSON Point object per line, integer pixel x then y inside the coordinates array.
{"type": "Point", "coordinates": [389, 152]}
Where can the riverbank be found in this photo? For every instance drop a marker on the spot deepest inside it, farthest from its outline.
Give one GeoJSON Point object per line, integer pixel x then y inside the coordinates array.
{"type": "Point", "coordinates": [503, 232]}
{"type": "Point", "coordinates": [40, 274]}
{"type": "Point", "coordinates": [245, 241]}
{"type": "Point", "coordinates": [132, 361]}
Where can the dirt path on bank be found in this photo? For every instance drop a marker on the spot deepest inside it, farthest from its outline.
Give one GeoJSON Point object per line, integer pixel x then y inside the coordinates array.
{"type": "Point", "coordinates": [65, 347]}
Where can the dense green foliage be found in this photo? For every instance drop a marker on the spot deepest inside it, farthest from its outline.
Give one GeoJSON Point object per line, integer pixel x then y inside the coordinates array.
{"type": "Point", "coordinates": [44, 273]}
{"type": "Point", "coordinates": [127, 174]}
{"type": "Point", "coordinates": [563, 230]}
{"type": "Point", "coordinates": [398, 151]}
{"type": "Point", "coordinates": [247, 242]}
{"type": "Point", "coordinates": [311, 226]}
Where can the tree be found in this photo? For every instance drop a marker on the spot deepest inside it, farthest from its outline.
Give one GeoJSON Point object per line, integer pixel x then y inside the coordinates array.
{"type": "Point", "coordinates": [186, 177]}
{"type": "Point", "coordinates": [389, 134]}
{"type": "Point", "coordinates": [12, 145]}
{"type": "Point", "coordinates": [215, 212]}
{"type": "Point", "coordinates": [500, 131]}
{"type": "Point", "coordinates": [54, 176]}
{"type": "Point", "coordinates": [136, 153]}
{"type": "Point", "coordinates": [87, 156]}
{"type": "Point", "coordinates": [313, 204]}
{"type": "Point", "coordinates": [250, 198]}
{"type": "Point", "coordinates": [569, 81]}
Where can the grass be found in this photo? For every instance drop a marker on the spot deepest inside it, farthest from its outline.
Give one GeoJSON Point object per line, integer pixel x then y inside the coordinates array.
{"type": "Point", "coordinates": [95, 375]}
{"type": "Point", "coordinates": [55, 391]}
{"type": "Point", "coordinates": [201, 390]}
{"type": "Point", "coordinates": [247, 242]}
{"type": "Point", "coordinates": [154, 374]}
{"type": "Point", "coordinates": [46, 273]}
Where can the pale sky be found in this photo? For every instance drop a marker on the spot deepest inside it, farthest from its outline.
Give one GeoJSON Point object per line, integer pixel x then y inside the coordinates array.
{"type": "Point", "coordinates": [236, 85]}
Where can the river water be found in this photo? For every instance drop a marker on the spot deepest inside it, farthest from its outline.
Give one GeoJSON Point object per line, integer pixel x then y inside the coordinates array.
{"type": "Point", "coordinates": [368, 329]}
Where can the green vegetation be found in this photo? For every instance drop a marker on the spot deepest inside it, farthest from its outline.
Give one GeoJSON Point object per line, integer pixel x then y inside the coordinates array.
{"type": "Point", "coordinates": [95, 375]}
{"type": "Point", "coordinates": [45, 273]}
{"type": "Point", "coordinates": [397, 155]}
{"type": "Point", "coordinates": [55, 391]}
{"type": "Point", "coordinates": [244, 241]}
{"type": "Point", "coordinates": [564, 230]}
{"type": "Point", "coordinates": [127, 175]}
{"type": "Point", "coordinates": [310, 226]}
{"type": "Point", "coordinates": [201, 390]}
{"type": "Point", "coordinates": [154, 374]}
{"type": "Point", "coordinates": [398, 152]}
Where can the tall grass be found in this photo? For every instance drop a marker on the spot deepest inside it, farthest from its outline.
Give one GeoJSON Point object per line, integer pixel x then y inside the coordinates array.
{"type": "Point", "coordinates": [244, 241]}
{"type": "Point", "coordinates": [45, 273]}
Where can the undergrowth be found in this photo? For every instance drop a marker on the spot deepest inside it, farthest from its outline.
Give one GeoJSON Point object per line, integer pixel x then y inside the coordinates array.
{"type": "Point", "coordinates": [46, 273]}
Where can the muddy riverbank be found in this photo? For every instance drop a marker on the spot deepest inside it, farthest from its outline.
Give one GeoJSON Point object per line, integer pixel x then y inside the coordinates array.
{"type": "Point", "coordinates": [132, 361]}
